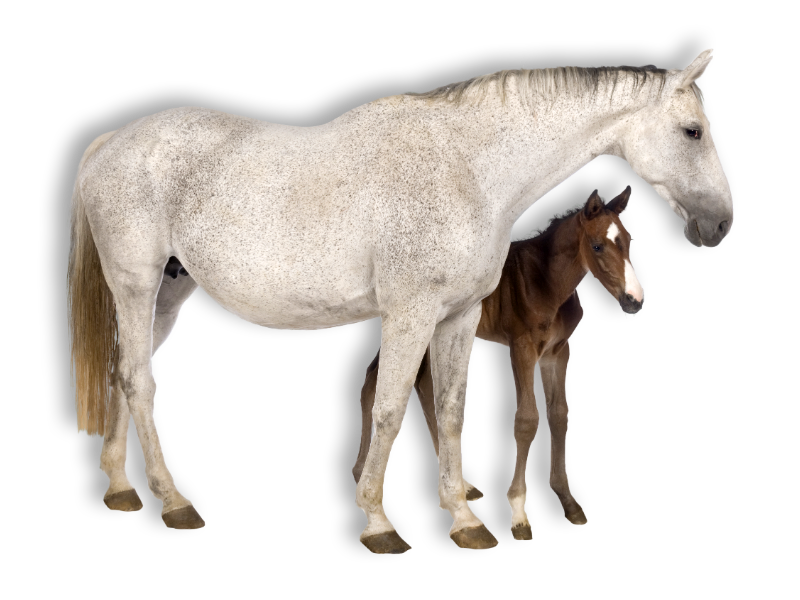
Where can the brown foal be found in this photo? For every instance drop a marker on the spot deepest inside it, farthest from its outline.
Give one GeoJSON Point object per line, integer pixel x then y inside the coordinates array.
{"type": "Point", "coordinates": [533, 311]}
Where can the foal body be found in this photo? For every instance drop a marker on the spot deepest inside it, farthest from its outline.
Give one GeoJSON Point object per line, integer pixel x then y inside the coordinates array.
{"type": "Point", "coordinates": [534, 311]}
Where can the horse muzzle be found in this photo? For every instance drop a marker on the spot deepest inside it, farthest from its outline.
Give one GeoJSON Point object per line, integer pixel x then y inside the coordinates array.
{"type": "Point", "coordinates": [629, 304]}
{"type": "Point", "coordinates": [706, 233]}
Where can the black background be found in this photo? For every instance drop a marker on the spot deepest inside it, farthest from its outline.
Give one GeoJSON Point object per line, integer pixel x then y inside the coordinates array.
{"type": "Point", "coordinates": [261, 428]}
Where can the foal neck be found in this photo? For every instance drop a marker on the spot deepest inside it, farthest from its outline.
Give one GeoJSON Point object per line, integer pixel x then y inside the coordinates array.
{"type": "Point", "coordinates": [559, 250]}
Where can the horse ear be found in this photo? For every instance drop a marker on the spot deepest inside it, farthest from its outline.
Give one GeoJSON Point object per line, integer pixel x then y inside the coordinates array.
{"type": "Point", "coordinates": [619, 203]}
{"type": "Point", "coordinates": [593, 207]}
{"type": "Point", "coordinates": [694, 70]}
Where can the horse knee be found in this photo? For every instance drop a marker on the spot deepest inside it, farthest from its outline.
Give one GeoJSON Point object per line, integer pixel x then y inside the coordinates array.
{"type": "Point", "coordinates": [558, 412]}
{"type": "Point", "coordinates": [451, 427]}
{"type": "Point", "coordinates": [388, 420]}
{"type": "Point", "coordinates": [525, 426]}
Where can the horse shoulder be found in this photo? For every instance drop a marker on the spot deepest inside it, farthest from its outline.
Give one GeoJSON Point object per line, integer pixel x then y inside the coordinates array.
{"type": "Point", "coordinates": [570, 314]}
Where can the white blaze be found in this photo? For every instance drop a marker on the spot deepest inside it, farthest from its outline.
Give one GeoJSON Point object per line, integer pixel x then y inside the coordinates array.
{"type": "Point", "coordinates": [613, 231]}
{"type": "Point", "coordinates": [632, 285]}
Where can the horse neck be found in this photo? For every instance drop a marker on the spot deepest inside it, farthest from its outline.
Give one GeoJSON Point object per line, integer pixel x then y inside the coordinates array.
{"type": "Point", "coordinates": [526, 147]}
{"type": "Point", "coordinates": [563, 267]}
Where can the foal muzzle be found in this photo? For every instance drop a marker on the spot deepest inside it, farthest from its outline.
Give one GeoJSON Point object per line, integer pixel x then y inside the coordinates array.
{"type": "Point", "coordinates": [629, 304]}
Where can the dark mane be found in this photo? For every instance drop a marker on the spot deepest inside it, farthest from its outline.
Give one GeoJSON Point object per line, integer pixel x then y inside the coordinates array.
{"type": "Point", "coordinates": [554, 224]}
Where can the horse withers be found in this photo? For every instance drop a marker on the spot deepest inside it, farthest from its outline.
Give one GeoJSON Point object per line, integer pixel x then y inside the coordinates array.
{"type": "Point", "coordinates": [533, 311]}
{"type": "Point", "coordinates": [401, 208]}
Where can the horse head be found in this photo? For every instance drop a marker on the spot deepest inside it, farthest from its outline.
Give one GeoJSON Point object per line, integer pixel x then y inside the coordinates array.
{"type": "Point", "coordinates": [669, 144]}
{"type": "Point", "coordinates": [605, 249]}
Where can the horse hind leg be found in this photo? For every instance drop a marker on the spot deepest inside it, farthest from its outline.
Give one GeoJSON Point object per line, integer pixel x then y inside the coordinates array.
{"type": "Point", "coordinates": [121, 495]}
{"type": "Point", "coordinates": [136, 288]}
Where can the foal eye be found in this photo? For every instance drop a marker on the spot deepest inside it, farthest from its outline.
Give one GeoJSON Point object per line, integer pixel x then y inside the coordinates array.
{"type": "Point", "coordinates": [695, 134]}
{"type": "Point", "coordinates": [597, 247]}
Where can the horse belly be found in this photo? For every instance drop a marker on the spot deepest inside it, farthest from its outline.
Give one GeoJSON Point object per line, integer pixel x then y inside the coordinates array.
{"type": "Point", "coordinates": [280, 274]}
{"type": "Point", "coordinates": [269, 295]}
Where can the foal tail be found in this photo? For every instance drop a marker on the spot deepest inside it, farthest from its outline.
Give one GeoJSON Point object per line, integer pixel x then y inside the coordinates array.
{"type": "Point", "coordinates": [92, 316]}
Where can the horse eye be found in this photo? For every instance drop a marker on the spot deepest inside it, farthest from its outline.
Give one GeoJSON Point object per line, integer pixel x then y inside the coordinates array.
{"type": "Point", "coordinates": [597, 247]}
{"type": "Point", "coordinates": [695, 134]}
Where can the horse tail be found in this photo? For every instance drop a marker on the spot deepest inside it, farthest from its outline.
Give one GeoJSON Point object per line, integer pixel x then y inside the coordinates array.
{"type": "Point", "coordinates": [92, 315]}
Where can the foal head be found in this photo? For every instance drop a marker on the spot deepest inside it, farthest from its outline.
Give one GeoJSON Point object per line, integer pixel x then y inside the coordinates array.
{"type": "Point", "coordinates": [605, 246]}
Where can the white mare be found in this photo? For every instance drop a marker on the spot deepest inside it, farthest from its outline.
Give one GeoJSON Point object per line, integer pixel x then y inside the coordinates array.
{"type": "Point", "coordinates": [401, 208]}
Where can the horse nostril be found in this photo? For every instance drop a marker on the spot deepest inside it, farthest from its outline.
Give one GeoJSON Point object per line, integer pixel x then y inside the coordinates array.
{"type": "Point", "coordinates": [724, 227]}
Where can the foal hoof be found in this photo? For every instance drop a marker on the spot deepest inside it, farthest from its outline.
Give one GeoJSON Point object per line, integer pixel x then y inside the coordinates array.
{"type": "Point", "coordinates": [388, 542]}
{"type": "Point", "coordinates": [522, 531]}
{"type": "Point", "coordinates": [576, 517]}
{"type": "Point", "coordinates": [183, 518]}
{"type": "Point", "coordinates": [474, 493]}
{"type": "Point", "coordinates": [127, 501]}
{"type": "Point", "coordinates": [475, 538]}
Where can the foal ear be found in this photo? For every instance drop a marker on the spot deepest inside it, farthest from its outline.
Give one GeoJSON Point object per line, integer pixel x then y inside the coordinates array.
{"type": "Point", "coordinates": [619, 203]}
{"type": "Point", "coordinates": [694, 70]}
{"type": "Point", "coordinates": [593, 207]}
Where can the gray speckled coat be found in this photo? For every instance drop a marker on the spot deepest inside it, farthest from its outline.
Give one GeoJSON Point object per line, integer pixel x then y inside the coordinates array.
{"type": "Point", "coordinates": [401, 208]}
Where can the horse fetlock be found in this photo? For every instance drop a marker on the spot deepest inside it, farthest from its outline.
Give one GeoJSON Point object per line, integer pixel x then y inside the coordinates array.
{"type": "Point", "coordinates": [369, 497]}
{"type": "Point", "coordinates": [561, 487]}
{"type": "Point", "coordinates": [517, 502]}
{"type": "Point", "coordinates": [173, 502]}
{"type": "Point", "coordinates": [464, 518]}
{"type": "Point", "coordinates": [126, 500]}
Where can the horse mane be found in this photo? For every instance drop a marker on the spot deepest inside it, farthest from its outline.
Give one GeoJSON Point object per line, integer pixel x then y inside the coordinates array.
{"type": "Point", "coordinates": [554, 224]}
{"type": "Point", "coordinates": [547, 83]}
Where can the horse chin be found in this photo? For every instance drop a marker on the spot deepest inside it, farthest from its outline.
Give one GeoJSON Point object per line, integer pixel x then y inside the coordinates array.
{"type": "Point", "coordinates": [692, 234]}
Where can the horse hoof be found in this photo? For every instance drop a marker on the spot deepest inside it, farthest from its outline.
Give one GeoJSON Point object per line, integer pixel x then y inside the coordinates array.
{"type": "Point", "coordinates": [577, 517]}
{"type": "Point", "coordinates": [126, 501]}
{"type": "Point", "coordinates": [522, 532]}
{"type": "Point", "coordinates": [388, 542]}
{"type": "Point", "coordinates": [475, 538]}
{"type": "Point", "coordinates": [183, 518]}
{"type": "Point", "coordinates": [474, 494]}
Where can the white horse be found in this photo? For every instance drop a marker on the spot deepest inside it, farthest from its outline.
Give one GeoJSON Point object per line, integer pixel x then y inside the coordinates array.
{"type": "Point", "coordinates": [401, 208]}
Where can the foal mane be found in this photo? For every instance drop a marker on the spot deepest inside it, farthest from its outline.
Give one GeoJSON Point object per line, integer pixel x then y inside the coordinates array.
{"type": "Point", "coordinates": [554, 224]}
{"type": "Point", "coordinates": [548, 83]}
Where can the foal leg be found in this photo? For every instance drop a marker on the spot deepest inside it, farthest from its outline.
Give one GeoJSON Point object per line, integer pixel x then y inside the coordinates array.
{"type": "Point", "coordinates": [121, 495]}
{"type": "Point", "coordinates": [367, 402]}
{"type": "Point", "coordinates": [526, 422]}
{"type": "Point", "coordinates": [554, 374]}
{"type": "Point", "coordinates": [424, 387]}
{"type": "Point", "coordinates": [135, 291]}
{"type": "Point", "coordinates": [404, 336]}
{"type": "Point", "coordinates": [450, 349]}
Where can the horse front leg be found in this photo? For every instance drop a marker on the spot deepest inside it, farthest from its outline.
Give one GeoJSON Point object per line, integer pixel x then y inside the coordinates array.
{"type": "Point", "coordinates": [554, 375]}
{"type": "Point", "coordinates": [424, 387]}
{"type": "Point", "coordinates": [526, 422]}
{"type": "Point", "coordinates": [450, 350]}
{"type": "Point", "coordinates": [404, 336]}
